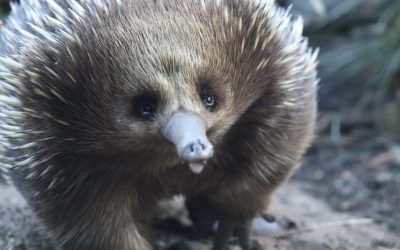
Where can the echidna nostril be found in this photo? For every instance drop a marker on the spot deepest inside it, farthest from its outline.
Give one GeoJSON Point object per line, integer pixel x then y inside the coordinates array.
{"type": "Point", "coordinates": [196, 148]}
{"type": "Point", "coordinates": [203, 146]}
{"type": "Point", "coordinates": [192, 148]}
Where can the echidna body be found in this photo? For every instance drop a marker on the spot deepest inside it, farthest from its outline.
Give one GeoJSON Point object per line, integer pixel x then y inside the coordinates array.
{"type": "Point", "coordinates": [109, 106]}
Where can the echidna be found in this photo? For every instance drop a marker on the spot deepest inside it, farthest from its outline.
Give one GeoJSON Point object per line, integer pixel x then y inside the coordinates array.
{"type": "Point", "coordinates": [109, 106]}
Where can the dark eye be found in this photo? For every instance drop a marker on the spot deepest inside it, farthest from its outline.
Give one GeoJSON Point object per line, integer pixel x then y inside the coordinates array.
{"type": "Point", "coordinates": [145, 106]}
{"type": "Point", "coordinates": [208, 98]}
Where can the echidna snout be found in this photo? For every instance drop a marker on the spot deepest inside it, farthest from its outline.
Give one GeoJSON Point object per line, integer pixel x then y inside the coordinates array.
{"type": "Point", "coordinates": [187, 132]}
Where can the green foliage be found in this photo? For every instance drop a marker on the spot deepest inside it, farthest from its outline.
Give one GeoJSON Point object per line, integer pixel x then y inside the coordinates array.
{"type": "Point", "coordinates": [361, 47]}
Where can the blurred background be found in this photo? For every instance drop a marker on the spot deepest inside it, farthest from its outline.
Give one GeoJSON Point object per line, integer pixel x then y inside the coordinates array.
{"type": "Point", "coordinates": [356, 156]}
{"type": "Point", "coordinates": [354, 164]}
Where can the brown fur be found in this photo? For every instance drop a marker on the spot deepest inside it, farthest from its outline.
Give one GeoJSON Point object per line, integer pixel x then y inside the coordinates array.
{"type": "Point", "coordinates": [99, 170]}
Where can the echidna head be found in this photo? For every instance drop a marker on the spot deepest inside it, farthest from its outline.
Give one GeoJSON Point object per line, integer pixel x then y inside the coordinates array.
{"type": "Point", "coordinates": [157, 80]}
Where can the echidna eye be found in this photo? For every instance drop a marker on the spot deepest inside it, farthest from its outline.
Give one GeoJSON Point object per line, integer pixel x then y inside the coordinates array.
{"type": "Point", "coordinates": [145, 106]}
{"type": "Point", "coordinates": [208, 98]}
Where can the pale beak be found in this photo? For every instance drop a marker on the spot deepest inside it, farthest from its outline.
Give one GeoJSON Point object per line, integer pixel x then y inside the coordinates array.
{"type": "Point", "coordinates": [188, 132]}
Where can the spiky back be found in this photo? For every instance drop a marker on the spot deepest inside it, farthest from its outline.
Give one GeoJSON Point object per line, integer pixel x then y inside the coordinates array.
{"type": "Point", "coordinates": [32, 23]}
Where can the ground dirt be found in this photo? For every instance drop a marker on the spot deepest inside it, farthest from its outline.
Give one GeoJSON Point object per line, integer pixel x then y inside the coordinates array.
{"type": "Point", "coordinates": [346, 196]}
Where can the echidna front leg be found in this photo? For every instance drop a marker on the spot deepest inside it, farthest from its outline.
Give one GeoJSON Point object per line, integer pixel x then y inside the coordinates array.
{"type": "Point", "coordinates": [204, 218]}
{"type": "Point", "coordinates": [201, 215]}
{"type": "Point", "coordinates": [227, 227]}
{"type": "Point", "coordinates": [204, 213]}
{"type": "Point", "coordinates": [243, 231]}
{"type": "Point", "coordinates": [224, 232]}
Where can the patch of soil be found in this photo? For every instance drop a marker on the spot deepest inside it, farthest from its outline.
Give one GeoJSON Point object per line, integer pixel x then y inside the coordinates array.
{"type": "Point", "coordinates": [359, 174]}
